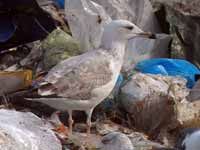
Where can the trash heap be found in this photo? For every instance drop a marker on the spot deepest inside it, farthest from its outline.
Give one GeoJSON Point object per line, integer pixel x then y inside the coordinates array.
{"type": "Point", "coordinates": [156, 97]}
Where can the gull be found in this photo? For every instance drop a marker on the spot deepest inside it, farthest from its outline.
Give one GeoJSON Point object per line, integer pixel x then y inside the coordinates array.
{"type": "Point", "coordinates": [82, 82]}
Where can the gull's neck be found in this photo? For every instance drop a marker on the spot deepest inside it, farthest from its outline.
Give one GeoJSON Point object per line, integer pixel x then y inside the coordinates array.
{"type": "Point", "coordinates": [113, 45]}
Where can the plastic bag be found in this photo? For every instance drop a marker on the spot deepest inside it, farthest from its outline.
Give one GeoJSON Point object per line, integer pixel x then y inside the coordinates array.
{"type": "Point", "coordinates": [139, 49]}
{"type": "Point", "coordinates": [170, 67]}
{"type": "Point", "coordinates": [139, 12]}
{"type": "Point", "coordinates": [86, 20]}
{"type": "Point", "coordinates": [25, 131]}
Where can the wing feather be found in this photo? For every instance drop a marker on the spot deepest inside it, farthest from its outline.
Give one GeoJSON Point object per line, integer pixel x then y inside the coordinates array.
{"type": "Point", "coordinates": [76, 77]}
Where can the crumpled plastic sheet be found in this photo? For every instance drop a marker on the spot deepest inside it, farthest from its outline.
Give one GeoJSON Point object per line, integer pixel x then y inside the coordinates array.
{"type": "Point", "coordinates": [139, 12]}
{"type": "Point", "coordinates": [86, 20]}
{"type": "Point", "coordinates": [25, 131]}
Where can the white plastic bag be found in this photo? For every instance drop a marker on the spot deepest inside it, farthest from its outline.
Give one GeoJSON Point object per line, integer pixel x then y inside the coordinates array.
{"type": "Point", "coordinates": [139, 49]}
{"type": "Point", "coordinates": [139, 12]}
{"type": "Point", "coordinates": [86, 20]}
{"type": "Point", "coordinates": [25, 131]}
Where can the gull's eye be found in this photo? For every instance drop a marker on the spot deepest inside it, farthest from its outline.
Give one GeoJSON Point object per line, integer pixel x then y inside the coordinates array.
{"type": "Point", "coordinates": [129, 27]}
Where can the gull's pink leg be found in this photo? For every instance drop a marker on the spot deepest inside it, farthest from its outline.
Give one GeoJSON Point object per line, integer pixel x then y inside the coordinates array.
{"type": "Point", "coordinates": [70, 121]}
{"type": "Point", "coordinates": [89, 115]}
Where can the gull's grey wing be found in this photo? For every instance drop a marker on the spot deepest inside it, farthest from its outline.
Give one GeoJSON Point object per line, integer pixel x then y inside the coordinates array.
{"type": "Point", "coordinates": [76, 77]}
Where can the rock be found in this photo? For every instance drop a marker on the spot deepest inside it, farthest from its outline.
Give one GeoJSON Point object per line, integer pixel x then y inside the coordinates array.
{"type": "Point", "coordinates": [25, 131]}
{"type": "Point", "coordinates": [86, 20]}
{"type": "Point", "coordinates": [183, 17]}
{"type": "Point", "coordinates": [116, 141]}
{"type": "Point", "coordinates": [58, 46]}
{"type": "Point", "coordinates": [139, 12]}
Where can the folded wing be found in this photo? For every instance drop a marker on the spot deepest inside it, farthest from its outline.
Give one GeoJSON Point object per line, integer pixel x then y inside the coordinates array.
{"type": "Point", "coordinates": [75, 78]}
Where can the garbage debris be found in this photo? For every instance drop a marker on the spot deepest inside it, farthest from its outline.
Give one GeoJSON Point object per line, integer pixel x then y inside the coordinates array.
{"type": "Point", "coordinates": [23, 22]}
{"type": "Point", "coordinates": [33, 58]}
{"type": "Point", "coordinates": [139, 12]}
{"type": "Point", "coordinates": [142, 85]}
{"type": "Point", "coordinates": [189, 139]}
{"type": "Point", "coordinates": [150, 100]}
{"type": "Point", "coordinates": [116, 141]}
{"type": "Point", "coordinates": [57, 47]}
{"type": "Point", "coordinates": [14, 81]}
{"type": "Point", "coordinates": [25, 131]}
{"type": "Point", "coordinates": [194, 92]}
{"type": "Point", "coordinates": [88, 34]}
{"type": "Point", "coordinates": [146, 110]}
{"type": "Point", "coordinates": [154, 109]}
{"type": "Point", "coordinates": [170, 67]}
{"type": "Point", "coordinates": [7, 29]}
{"type": "Point", "coordinates": [61, 3]}
{"type": "Point", "coordinates": [188, 114]}
{"type": "Point", "coordinates": [140, 141]}
{"type": "Point", "coordinates": [139, 49]}
{"type": "Point", "coordinates": [183, 18]}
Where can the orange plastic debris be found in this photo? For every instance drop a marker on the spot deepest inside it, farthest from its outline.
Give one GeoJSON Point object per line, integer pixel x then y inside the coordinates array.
{"type": "Point", "coordinates": [62, 129]}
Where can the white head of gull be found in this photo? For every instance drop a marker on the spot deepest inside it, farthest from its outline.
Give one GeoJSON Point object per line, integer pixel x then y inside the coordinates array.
{"type": "Point", "coordinates": [82, 82]}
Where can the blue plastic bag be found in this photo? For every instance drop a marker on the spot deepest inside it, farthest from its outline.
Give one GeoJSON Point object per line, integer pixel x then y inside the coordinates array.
{"type": "Point", "coordinates": [170, 67]}
{"type": "Point", "coordinates": [118, 85]}
{"type": "Point", "coordinates": [23, 21]}
{"type": "Point", "coordinates": [7, 28]}
{"type": "Point", "coordinates": [61, 3]}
